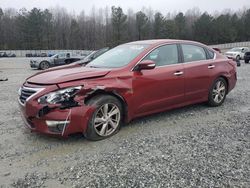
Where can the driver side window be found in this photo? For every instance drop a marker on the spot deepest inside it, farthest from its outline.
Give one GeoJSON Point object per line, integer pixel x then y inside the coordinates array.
{"type": "Point", "coordinates": [62, 55]}
{"type": "Point", "coordinates": [164, 55]}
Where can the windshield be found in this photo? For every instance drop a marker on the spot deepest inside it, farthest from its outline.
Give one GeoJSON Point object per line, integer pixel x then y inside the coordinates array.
{"type": "Point", "coordinates": [235, 50]}
{"type": "Point", "coordinates": [118, 56]}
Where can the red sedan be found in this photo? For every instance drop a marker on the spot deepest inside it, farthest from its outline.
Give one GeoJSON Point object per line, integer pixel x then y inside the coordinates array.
{"type": "Point", "coordinates": [129, 81]}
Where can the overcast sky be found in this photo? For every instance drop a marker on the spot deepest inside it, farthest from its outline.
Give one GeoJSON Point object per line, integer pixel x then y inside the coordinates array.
{"type": "Point", "coordinates": [163, 6]}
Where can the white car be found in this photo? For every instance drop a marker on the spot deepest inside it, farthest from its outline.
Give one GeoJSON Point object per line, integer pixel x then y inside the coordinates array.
{"type": "Point", "coordinates": [237, 53]}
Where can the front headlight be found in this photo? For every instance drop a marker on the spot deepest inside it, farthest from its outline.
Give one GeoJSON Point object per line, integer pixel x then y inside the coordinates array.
{"type": "Point", "coordinates": [60, 96]}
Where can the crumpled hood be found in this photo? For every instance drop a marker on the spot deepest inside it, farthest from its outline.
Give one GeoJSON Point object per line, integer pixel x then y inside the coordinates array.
{"type": "Point", "coordinates": [66, 75]}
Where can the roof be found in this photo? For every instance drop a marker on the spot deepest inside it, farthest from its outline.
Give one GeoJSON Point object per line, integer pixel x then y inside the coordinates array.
{"type": "Point", "coordinates": [159, 41]}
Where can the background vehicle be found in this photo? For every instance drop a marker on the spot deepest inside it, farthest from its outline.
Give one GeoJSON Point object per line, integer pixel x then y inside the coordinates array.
{"type": "Point", "coordinates": [55, 60]}
{"type": "Point", "coordinates": [128, 81]}
{"type": "Point", "coordinates": [237, 53]}
{"type": "Point", "coordinates": [4, 54]}
{"type": "Point", "coordinates": [95, 54]}
{"type": "Point", "coordinates": [247, 57]}
{"type": "Point", "coordinates": [84, 61]}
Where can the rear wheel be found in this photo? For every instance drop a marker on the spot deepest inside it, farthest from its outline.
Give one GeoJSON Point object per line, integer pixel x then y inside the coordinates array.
{"type": "Point", "coordinates": [67, 61]}
{"type": "Point", "coordinates": [107, 118]}
{"type": "Point", "coordinates": [44, 65]}
{"type": "Point", "coordinates": [218, 92]}
{"type": "Point", "coordinates": [246, 60]}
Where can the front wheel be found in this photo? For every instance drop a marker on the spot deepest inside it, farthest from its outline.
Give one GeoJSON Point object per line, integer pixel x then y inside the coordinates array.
{"type": "Point", "coordinates": [218, 92]}
{"type": "Point", "coordinates": [107, 118]}
{"type": "Point", "coordinates": [246, 61]}
{"type": "Point", "coordinates": [44, 65]}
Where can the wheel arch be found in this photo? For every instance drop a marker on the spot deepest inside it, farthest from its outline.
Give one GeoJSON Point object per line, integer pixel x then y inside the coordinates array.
{"type": "Point", "coordinates": [226, 79]}
{"type": "Point", "coordinates": [44, 61]}
{"type": "Point", "coordinates": [111, 93]}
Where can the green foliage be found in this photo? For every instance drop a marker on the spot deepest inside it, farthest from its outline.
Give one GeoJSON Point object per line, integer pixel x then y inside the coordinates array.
{"type": "Point", "coordinates": [204, 29]}
{"type": "Point", "coordinates": [57, 29]}
{"type": "Point", "coordinates": [180, 24]}
{"type": "Point", "coordinates": [118, 23]}
{"type": "Point", "coordinates": [159, 26]}
{"type": "Point", "coordinates": [142, 25]}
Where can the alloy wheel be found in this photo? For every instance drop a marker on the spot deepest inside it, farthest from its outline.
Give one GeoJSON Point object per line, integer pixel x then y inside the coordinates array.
{"type": "Point", "coordinates": [44, 65]}
{"type": "Point", "coordinates": [107, 119]}
{"type": "Point", "coordinates": [219, 91]}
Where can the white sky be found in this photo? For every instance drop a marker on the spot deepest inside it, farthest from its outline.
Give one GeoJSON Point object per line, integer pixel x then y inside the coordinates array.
{"type": "Point", "coordinates": [163, 6]}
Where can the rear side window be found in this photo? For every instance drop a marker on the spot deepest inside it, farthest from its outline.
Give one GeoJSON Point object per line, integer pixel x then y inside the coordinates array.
{"type": "Point", "coordinates": [193, 53]}
{"type": "Point", "coordinates": [210, 54]}
{"type": "Point", "coordinates": [164, 55]}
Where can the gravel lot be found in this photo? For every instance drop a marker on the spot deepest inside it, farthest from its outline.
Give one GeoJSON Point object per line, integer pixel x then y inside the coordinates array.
{"type": "Point", "coordinates": [195, 146]}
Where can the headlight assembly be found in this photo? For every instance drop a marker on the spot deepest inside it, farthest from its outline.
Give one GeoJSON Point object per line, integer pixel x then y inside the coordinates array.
{"type": "Point", "coordinates": [60, 96]}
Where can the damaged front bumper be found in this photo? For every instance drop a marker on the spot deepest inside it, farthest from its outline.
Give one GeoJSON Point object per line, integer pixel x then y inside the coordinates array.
{"type": "Point", "coordinates": [55, 120]}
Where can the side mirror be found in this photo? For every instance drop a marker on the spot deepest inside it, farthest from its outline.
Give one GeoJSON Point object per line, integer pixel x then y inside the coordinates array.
{"type": "Point", "coordinates": [145, 65]}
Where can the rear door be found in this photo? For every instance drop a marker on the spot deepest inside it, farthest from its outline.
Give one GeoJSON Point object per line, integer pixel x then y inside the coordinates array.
{"type": "Point", "coordinates": [162, 87]}
{"type": "Point", "coordinates": [198, 68]}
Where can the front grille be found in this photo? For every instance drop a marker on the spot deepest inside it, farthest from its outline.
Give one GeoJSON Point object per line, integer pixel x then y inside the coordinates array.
{"type": "Point", "coordinates": [26, 92]}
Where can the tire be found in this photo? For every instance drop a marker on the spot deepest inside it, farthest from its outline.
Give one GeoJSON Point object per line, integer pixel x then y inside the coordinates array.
{"type": "Point", "coordinates": [237, 58]}
{"type": "Point", "coordinates": [217, 94]}
{"type": "Point", "coordinates": [67, 61]}
{"type": "Point", "coordinates": [100, 127]}
{"type": "Point", "coordinates": [246, 61]}
{"type": "Point", "coordinates": [44, 65]}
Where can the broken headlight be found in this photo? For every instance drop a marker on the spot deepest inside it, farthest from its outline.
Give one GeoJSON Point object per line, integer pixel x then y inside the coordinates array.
{"type": "Point", "coordinates": [60, 96]}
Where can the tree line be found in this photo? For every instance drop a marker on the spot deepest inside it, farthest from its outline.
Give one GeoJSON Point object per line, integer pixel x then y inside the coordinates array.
{"type": "Point", "coordinates": [57, 29]}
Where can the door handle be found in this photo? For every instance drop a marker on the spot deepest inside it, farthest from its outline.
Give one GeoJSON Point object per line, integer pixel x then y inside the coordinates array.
{"type": "Point", "coordinates": [178, 73]}
{"type": "Point", "coordinates": [211, 66]}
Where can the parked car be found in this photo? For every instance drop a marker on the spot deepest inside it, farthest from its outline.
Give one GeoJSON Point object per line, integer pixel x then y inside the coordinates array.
{"type": "Point", "coordinates": [95, 54]}
{"type": "Point", "coordinates": [44, 54]}
{"type": "Point", "coordinates": [83, 61]}
{"type": "Point", "coordinates": [4, 54]}
{"type": "Point", "coordinates": [237, 53]}
{"type": "Point", "coordinates": [128, 81]}
{"type": "Point", "coordinates": [247, 57]}
{"type": "Point", "coordinates": [55, 60]}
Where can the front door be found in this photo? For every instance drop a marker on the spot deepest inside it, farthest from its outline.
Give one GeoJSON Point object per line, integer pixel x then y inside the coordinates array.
{"type": "Point", "coordinates": [60, 59]}
{"type": "Point", "coordinates": [162, 87]}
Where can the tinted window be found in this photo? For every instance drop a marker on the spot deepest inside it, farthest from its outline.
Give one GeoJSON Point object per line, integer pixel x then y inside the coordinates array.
{"type": "Point", "coordinates": [210, 54]}
{"type": "Point", "coordinates": [193, 53]}
{"type": "Point", "coordinates": [62, 55]}
{"type": "Point", "coordinates": [164, 55]}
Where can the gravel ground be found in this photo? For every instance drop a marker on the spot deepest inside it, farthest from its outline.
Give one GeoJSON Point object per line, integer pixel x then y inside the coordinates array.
{"type": "Point", "coordinates": [195, 146]}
